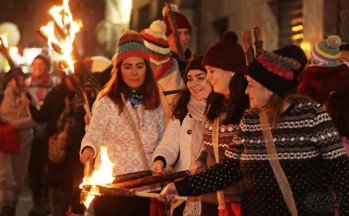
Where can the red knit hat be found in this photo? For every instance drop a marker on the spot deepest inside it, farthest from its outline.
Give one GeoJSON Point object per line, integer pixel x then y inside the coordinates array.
{"type": "Point", "coordinates": [130, 44]}
{"type": "Point", "coordinates": [181, 20]}
{"type": "Point", "coordinates": [227, 54]}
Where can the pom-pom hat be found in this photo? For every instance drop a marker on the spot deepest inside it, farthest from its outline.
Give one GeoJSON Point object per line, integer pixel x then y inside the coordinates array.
{"type": "Point", "coordinates": [325, 52]}
{"type": "Point", "coordinates": [130, 44]}
{"type": "Point", "coordinates": [194, 64]}
{"type": "Point", "coordinates": [180, 19]}
{"type": "Point", "coordinates": [274, 72]}
{"type": "Point", "coordinates": [156, 42]}
{"type": "Point", "coordinates": [227, 54]}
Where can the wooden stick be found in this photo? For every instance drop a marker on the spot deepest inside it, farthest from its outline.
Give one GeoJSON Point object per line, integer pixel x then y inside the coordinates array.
{"type": "Point", "coordinates": [174, 29]}
{"type": "Point", "coordinates": [101, 190]}
{"type": "Point", "coordinates": [6, 53]}
{"type": "Point", "coordinates": [55, 46]}
{"type": "Point", "coordinates": [258, 43]}
{"type": "Point", "coordinates": [156, 195]}
{"type": "Point", "coordinates": [247, 39]}
{"type": "Point", "coordinates": [149, 180]}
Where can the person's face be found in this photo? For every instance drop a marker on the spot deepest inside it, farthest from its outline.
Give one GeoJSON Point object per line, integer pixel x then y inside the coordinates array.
{"type": "Point", "coordinates": [197, 84]}
{"type": "Point", "coordinates": [343, 56]}
{"type": "Point", "coordinates": [133, 71]}
{"type": "Point", "coordinates": [258, 94]}
{"type": "Point", "coordinates": [219, 80]}
{"type": "Point", "coordinates": [39, 68]}
{"type": "Point", "coordinates": [13, 85]}
{"type": "Point", "coordinates": [184, 38]}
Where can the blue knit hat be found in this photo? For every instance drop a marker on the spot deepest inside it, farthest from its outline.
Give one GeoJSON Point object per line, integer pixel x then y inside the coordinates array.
{"type": "Point", "coordinates": [130, 44]}
{"type": "Point", "coordinates": [325, 52]}
{"type": "Point", "coordinates": [274, 72]}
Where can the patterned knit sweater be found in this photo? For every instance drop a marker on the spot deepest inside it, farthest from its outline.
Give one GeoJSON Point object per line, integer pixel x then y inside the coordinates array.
{"type": "Point", "coordinates": [111, 129]}
{"type": "Point", "coordinates": [310, 152]}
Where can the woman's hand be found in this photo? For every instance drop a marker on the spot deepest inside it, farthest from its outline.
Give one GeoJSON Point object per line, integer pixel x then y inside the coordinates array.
{"type": "Point", "coordinates": [87, 154]}
{"type": "Point", "coordinates": [197, 167]}
{"type": "Point", "coordinates": [158, 167]}
{"type": "Point", "coordinates": [168, 193]}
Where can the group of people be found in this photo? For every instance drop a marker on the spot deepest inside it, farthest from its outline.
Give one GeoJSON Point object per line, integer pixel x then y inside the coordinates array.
{"type": "Point", "coordinates": [267, 138]}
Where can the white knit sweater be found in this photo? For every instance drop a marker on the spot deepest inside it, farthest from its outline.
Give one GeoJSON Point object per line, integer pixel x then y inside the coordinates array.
{"type": "Point", "coordinates": [109, 128]}
{"type": "Point", "coordinates": [176, 143]}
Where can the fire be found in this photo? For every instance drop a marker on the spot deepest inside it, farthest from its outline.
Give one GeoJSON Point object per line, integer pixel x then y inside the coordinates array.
{"type": "Point", "coordinates": [102, 176]}
{"type": "Point", "coordinates": [68, 27]}
{"type": "Point", "coordinates": [4, 40]}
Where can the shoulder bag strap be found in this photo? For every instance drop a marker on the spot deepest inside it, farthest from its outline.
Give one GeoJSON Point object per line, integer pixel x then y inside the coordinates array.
{"type": "Point", "coordinates": [137, 136]}
{"type": "Point", "coordinates": [276, 166]}
{"type": "Point", "coordinates": [220, 193]}
{"type": "Point", "coordinates": [164, 102]}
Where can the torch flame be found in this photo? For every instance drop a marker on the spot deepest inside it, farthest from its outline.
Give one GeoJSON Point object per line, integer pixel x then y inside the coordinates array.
{"type": "Point", "coordinates": [63, 18]}
{"type": "Point", "coordinates": [4, 39]}
{"type": "Point", "coordinates": [103, 176]}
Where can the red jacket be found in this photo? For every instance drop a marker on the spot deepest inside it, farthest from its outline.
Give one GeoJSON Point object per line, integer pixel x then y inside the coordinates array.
{"type": "Point", "coordinates": [318, 82]}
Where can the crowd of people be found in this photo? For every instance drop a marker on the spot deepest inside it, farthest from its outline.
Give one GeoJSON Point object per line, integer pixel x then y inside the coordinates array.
{"type": "Point", "coordinates": [266, 138]}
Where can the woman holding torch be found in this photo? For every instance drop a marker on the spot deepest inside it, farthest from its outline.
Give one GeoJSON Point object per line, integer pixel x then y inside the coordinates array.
{"type": "Point", "coordinates": [128, 106]}
{"type": "Point", "coordinates": [287, 151]}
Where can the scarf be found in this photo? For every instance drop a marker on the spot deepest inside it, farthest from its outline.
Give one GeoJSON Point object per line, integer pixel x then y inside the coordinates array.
{"type": "Point", "coordinates": [136, 97]}
{"type": "Point", "coordinates": [196, 110]}
{"type": "Point", "coordinates": [40, 86]}
{"type": "Point", "coordinates": [161, 71]}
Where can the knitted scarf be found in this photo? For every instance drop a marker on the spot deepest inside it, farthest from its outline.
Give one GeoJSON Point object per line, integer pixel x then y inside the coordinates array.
{"type": "Point", "coordinates": [196, 110]}
{"type": "Point", "coordinates": [136, 97]}
{"type": "Point", "coordinates": [162, 70]}
{"type": "Point", "coordinates": [40, 86]}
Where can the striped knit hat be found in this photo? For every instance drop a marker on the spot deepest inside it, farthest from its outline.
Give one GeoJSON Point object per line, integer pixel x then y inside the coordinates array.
{"type": "Point", "coordinates": [156, 42]}
{"type": "Point", "coordinates": [130, 44]}
{"type": "Point", "coordinates": [274, 72]}
{"type": "Point", "coordinates": [325, 52]}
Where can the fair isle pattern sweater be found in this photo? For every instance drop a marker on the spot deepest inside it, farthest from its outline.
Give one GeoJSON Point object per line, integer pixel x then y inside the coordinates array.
{"type": "Point", "coordinates": [108, 127]}
{"type": "Point", "coordinates": [310, 152]}
{"type": "Point", "coordinates": [225, 135]}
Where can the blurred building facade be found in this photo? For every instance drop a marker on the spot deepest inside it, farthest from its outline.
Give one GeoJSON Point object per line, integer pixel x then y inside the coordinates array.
{"type": "Point", "coordinates": [282, 21]}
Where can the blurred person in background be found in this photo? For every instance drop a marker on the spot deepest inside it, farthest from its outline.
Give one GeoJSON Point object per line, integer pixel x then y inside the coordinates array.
{"type": "Point", "coordinates": [13, 168]}
{"type": "Point", "coordinates": [39, 84]}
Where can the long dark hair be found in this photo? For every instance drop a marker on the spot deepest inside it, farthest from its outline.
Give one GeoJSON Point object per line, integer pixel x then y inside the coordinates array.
{"type": "Point", "coordinates": [180, 109]}
{"type": "Point", "coordinates": [116, 86]}
{"type": "Point", "coordinates": [234, 107]}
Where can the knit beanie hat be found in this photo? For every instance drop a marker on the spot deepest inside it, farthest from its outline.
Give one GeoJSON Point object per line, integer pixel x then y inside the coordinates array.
{"type": "Point", "coordinates": [295, 52]}
{"type": "Point", "coordinates": [274, 72]}
{"type": "Point", "coordinates": [99, 64]}
{"type": "Point", "coordinates": [45, 58]}
{"type": "Point", "coordinates": [130, 44]}
{"type": "Point", "coordinates": [156, 42]}
{"type": "Point", "coordinates": [194, 64]}
{"type": "Point", "coordinates": [227, 54]}
{"type": "Point", "coordinates": [325, 52]}
{"type": "Point", "coordinates": [181, 20]}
